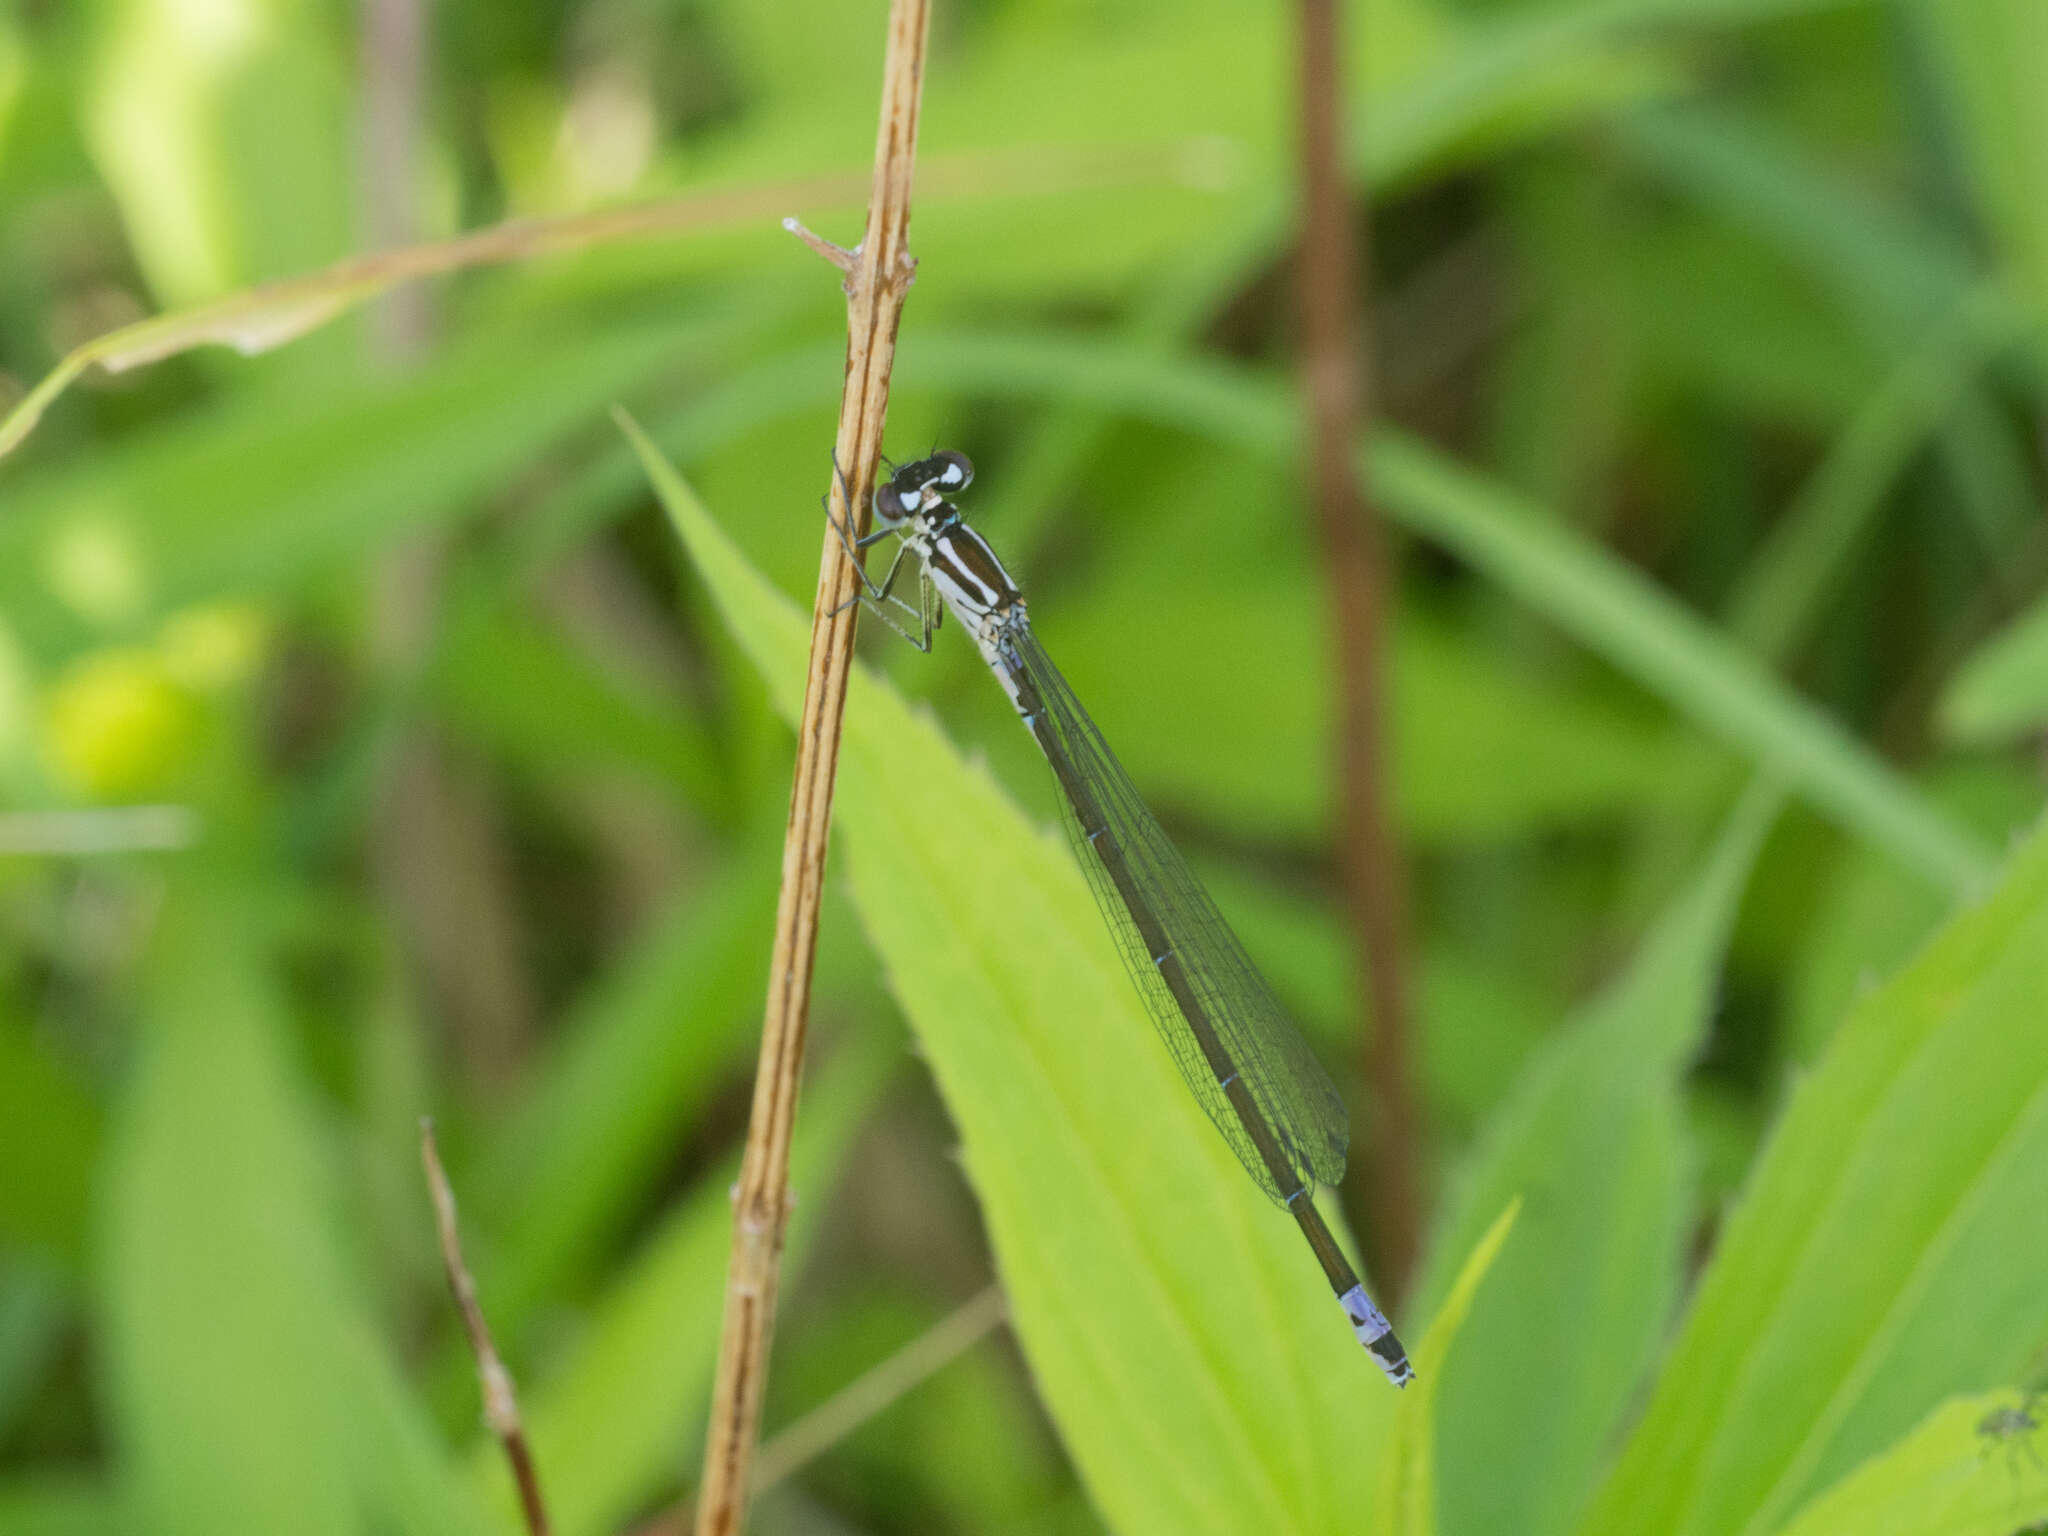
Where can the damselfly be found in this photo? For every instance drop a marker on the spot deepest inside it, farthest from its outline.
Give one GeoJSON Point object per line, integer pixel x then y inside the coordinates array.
{"type": "Point", "coordinates": [2013, 1427]}
{"type": "Point", "coordinates": [1252, 1074]}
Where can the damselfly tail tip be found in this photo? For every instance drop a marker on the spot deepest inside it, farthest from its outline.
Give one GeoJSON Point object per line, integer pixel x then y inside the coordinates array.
{"type": "Point", "coordinates": [1377, 1335]}
{"type": "Point", "coordinates": [1393, 1359]}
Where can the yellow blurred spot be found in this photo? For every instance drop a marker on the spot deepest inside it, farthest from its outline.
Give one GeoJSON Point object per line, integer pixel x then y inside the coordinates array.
{"type": "Point", "coordinates": [609, 133]}
{"type": "Point", "coordinates": [214, 647]}
{"type": "Point", "coordinates": [118, 725]}
{"type": "Point", "coordinates": [217, 31]}
{"type": "Point", "coordinates": [92, 564]}
{"type": "Point", "coordinates": [151, 96]}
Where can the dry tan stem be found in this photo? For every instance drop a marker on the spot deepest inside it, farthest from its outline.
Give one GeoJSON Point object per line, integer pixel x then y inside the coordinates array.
{"type": "Point", "coordinates": [799, 1444]}
{"type": "Point", "coordinates": [859, 1401]}
{"type": "Point", "coordinates": [1336, 364]}
{"type": "Point", "coordinates": [258, 319]}
{"type": "Point", "coordinates": [501, 1401]}
{"type": "Point", "coordinates": [878, 274]}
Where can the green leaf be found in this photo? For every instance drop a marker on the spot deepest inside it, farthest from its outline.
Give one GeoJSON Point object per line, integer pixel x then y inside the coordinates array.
{"type": "Point", "coordinates": [610, 1430]}
{"type": "Point", "coordinates": [1969, 1469]}
{"type": "Point", "coordinates": [49, 1143]}
{"type": "Point", "coordinates": [1873, 915]}
{"type": "Point", "coordinates": [278, 485]}
{"type": "Point", "coordinates": [2001, 693]}
{"type": "Point", "coordinates": [1784, 592]}
{"type": "Point", "coordinates": [1893, 274]}
{"type": "Point", "coordinates": [1987, 53]}
{"type": "Point", "coordinates": [1866, 923]}
{"type": "Point", "coordinates": [521, 689]}
{"type": "Point", "coordinates": [246, 1389]}
{"type": "Point", "coordinates": [1899, 279]}
{"type": "Point", "coordinates": [1407, 1491]}
{"type": "Point", "coordinates": [1698, 286]}
{"type": "Point", "coordinates": [61, 1506]}
{"type": "Point", "coordinates": [224, 143]}
{"type": "Point", "coordinates": [640, 1053]}
{"type": "Point", "coordinates": [1888, 1249]}
{"type": "Point", "coordinates": [1593, 1137]}
{"type": "Point", "coordinates": [1610, 608]}
{"type": "Point", "coordinates": [1482, 748]}
{"type": "Point", "coordinates": [1198, 1370]}
{"type": "Point", "coordinates": [38, 1315]}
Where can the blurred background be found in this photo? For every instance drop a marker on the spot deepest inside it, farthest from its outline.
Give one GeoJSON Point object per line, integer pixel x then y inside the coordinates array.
{"type": "Point", "coordinates": [368, 749]}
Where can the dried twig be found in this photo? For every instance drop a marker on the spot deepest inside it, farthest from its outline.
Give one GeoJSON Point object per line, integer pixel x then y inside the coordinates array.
{"type": "Point", "coordinates": [501, 1402]}
{"type": "Point", "coordinates": [438, 859]}
{"type": "Point", "coordinates": [110, 829]}
{"type": "Point", "coordinates": [857, 1402]}
{"type": "Point", "coordinates": [801, 1443]}
{"type": "Point", "coordinates": [878, 274]}
{"type": "Point", "coordinates": [257, 319]}
{"type": "Point", "coordinates": [392, 87]}
{"type": "Point", "coordinates": [1336, 363]}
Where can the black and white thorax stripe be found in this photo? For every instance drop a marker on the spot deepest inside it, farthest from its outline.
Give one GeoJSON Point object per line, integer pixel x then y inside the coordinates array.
{"type": "Point", "coordinates": [978, 590]}
{"type": "Point", "coordinates": [968, 576]}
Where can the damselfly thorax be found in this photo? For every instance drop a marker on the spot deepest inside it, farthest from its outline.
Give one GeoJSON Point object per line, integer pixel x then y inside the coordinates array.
{"type": "Point", "coordinates": [966, 573]}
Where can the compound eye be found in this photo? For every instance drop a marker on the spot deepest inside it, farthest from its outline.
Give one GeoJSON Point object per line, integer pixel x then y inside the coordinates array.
{"type": "Point", "coordinates": [893, 504]}
{"type": "Point", "coordinates": [954, 471]}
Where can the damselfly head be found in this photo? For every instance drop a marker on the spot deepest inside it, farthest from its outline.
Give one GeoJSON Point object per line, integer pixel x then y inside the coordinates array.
{"type": "Point", "coordinates": [922, 486]}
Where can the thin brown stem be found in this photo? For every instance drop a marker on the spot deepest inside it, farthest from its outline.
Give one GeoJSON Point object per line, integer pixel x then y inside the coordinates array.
{"type": "Point", "coordinates": [501, 1401]}
{"type": "Point", "coordinates": [272, 314]}
{"type": "Point", "coordinates": [838, 255]}
{"type": "Point", "coordinates": [393, 95]}
{"type": "Point", "coordinates": [854, 1404]}
{"type": "Point", "coordinates": [439, 861]}
{"type": "Point", "coordinates": [878, 276]}
{"type": "Point", "coordinates": [1335, 362]}
{"type": "Point", "coordinates": [798, 1445]}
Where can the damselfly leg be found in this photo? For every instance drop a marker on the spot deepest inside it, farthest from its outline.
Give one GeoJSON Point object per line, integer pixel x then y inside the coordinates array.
{"type": "Point", "coordinates": [883, 591]}
{"type": "Point", "coordinates": [847, 542]}
{"type": "Point", "coordinates": [930, 615]}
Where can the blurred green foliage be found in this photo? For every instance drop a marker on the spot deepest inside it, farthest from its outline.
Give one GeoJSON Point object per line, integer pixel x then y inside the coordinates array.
{"type": "Point", "coordinates": [371, 745]}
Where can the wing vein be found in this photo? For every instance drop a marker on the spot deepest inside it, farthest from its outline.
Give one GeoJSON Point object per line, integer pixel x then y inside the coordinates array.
{"type": "Point", "coordinates": [1288, 1085]}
